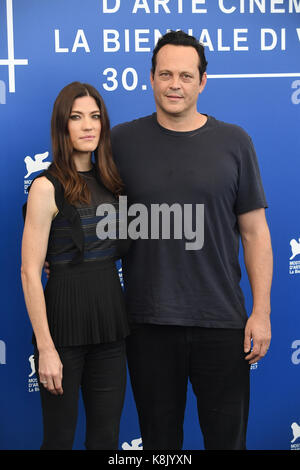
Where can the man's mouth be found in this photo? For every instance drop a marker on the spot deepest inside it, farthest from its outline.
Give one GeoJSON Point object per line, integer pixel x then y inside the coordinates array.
{"type": "Point", "coordinates": [174, 97]}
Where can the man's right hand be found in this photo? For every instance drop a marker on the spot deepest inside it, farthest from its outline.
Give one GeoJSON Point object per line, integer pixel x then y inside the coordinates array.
{"type": "Point", "coordinates": [47, 269]}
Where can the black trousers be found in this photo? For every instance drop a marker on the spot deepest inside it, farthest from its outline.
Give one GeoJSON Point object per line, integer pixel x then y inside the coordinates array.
{"type": "Point", "coordinates": [161, 359]}
{"type": "Point", "coordinates": [100, 372]}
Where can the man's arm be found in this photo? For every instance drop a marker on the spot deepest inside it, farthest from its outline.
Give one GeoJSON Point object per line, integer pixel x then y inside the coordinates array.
{"type": "Point", "coordinates": [258, 259]}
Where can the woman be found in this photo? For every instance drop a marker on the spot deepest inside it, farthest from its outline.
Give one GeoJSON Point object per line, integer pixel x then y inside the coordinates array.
{"type": "Point", "coordinates": [79, 321]}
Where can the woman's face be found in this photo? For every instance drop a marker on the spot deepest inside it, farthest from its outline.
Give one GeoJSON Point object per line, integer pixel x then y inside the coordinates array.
{"type": "Point", "coordinates": [84, 124]}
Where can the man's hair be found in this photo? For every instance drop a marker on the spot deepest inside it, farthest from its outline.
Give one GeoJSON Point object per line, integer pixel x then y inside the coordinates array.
{"type": "Point", "coordinates": [180, 38]}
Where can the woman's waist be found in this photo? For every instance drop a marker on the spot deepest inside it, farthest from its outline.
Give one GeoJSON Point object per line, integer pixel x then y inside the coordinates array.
{"type": "Point", "coordinates": [87, 266]}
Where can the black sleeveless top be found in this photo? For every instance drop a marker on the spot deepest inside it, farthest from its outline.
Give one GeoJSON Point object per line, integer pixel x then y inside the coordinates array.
{"type": "Point", "coordinates": [84, 297]}
{"type": "Point", "coordinates": [73, 240]}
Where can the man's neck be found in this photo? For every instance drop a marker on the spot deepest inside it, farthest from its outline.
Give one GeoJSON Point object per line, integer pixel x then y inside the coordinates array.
{"type": "Point", "coordinates": [181, 123]}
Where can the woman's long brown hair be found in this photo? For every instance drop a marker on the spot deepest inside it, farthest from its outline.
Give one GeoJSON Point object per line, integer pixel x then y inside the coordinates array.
{"type": "Point", "coordinates": [63, 166]}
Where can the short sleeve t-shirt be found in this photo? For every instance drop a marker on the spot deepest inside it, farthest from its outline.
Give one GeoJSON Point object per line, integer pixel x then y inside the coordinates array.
{"type": "Point", "coordinates": [212, 174]}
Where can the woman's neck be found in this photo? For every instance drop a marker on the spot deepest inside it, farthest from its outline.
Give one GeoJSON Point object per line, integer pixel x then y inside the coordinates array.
{"type": "Point", "coordinates": [83, 161]}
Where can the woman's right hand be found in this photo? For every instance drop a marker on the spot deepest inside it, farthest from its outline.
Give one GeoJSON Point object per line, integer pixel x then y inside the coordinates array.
{"type": "Point", "coordinates": [50, 371]}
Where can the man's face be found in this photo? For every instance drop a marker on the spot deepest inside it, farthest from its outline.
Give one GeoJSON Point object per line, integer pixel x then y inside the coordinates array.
{"type": "Point", "coordinates": [176, 81]}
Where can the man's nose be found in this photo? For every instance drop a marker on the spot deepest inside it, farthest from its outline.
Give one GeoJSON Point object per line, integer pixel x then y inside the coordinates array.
{"type": "Point", "coordinates": [175, 82]}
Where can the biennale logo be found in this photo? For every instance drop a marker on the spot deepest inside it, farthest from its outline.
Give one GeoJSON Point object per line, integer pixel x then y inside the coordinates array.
{"type": "Point", "coordinates": [36, 164]}
{"type": "Point", "coordinates": [136, 444]}
{"type": "Point", "coordinates": [296, 432]}
{"type": "Point", "coordinates": [294, 267]}
{"type": "Point", "coordinates": [33, 165]}
{"type": "Point", "coordinates": [10, 62]}
{"type": "Point", "coordinates": [296, 435]}
{"type": "Point", "coordinates": [33, 385]}
{"type": "Point", "coordinates": [32, 366]}
{"type": "Point", "coordinates": [295, 247]}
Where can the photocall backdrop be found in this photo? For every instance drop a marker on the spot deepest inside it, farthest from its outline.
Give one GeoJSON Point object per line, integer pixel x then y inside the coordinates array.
{"type": "Point", "coordinates": [253, 53]}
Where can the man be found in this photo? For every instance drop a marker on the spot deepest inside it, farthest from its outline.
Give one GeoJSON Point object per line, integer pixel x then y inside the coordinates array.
{"type": "Point", "coordinates": [185, 306]}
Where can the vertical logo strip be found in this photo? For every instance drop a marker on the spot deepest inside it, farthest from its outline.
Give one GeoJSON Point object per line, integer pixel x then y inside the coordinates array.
{"type": "Point", "coordinates": [11, 62]}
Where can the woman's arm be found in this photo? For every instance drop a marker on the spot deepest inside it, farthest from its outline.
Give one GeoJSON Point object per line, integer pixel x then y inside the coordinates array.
{"type": "Point", "coordinates": [41, 209]}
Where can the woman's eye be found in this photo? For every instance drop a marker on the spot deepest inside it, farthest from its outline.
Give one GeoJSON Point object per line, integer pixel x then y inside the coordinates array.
{"type": "Point", "coordinates": [76, 117]}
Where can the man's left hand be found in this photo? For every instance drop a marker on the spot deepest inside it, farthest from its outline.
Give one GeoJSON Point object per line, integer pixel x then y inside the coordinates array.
{"type": "Point", "coordinates": [258, 329]}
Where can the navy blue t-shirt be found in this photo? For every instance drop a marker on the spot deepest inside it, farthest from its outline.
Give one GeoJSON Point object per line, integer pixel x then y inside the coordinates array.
{"type": "Point", "coordinates": [214, 166]}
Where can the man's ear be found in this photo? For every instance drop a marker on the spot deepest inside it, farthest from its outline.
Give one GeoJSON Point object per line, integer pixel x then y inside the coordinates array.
{"type": "Point", "coordinates": [203, 82]}
{"type": "Point", "coordinates": [151, 78]}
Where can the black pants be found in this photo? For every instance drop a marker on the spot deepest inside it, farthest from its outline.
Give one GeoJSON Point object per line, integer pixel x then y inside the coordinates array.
{"type": "Point", "coordinates": [100, 372]}
{"type": "Point", "coordinates": [161, 359]}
